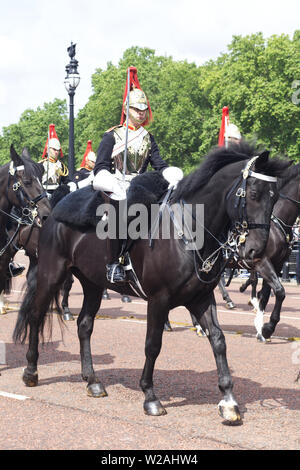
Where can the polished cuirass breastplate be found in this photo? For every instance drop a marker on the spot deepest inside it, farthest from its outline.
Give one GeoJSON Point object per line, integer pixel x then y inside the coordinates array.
{"type": "Point", "coordinates": [138, 149]}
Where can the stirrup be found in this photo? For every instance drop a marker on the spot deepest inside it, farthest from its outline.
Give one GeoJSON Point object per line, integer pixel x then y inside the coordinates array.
{"type": "Point", "coordinates": [115, 273]}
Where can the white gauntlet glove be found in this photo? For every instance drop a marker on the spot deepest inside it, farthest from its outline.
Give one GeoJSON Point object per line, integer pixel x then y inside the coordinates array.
{"type": "Point", "coordinates": [72, 186]}
{"type": "Point", "coordinates": [173, 175]}
{"type": "Point", "coordinates": [86, 181]}
{"type": "Point", "coordinates": [106, 181]}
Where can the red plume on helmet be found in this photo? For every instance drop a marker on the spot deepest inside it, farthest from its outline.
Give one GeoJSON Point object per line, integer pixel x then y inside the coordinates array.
{"type": "Point", "coordinates": [134, 83]}
{"type": "Point", "coordinates": [87, 151]}
{"type": "Point", "coordinates": [52, 133]}
{"type": "Point", "coordinates": [224, 124]}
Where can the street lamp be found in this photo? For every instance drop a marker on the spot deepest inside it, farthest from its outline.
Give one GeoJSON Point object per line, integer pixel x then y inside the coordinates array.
{"type": "Point", "coordinates": [71, 83]}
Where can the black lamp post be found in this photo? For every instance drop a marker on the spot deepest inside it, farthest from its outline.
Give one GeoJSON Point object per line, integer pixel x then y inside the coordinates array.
{"type": "Point", "coordinates": [71, 83]}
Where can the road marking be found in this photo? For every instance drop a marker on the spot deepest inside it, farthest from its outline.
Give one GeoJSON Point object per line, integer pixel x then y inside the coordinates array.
{"type": "Point", "coordinates": [233, 311]}
{"type": "Point", "coordinates": [13, 395]}
{"type": "Point", "coordinates": [254, 314]}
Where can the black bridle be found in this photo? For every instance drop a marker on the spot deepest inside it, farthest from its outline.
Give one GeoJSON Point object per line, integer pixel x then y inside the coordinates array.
{"type": "Point", "coordinates": [28, 205]}
{"type": "Point", "coordinates": [242, 225]}
{"type": "Point", "coordinates": [238, 234]}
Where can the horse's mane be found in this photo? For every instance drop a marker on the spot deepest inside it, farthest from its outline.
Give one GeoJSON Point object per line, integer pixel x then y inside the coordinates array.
{"type": "Point", "coordinates": [220, 157]}
{"type": "Point", "coordinates": [31, 167]}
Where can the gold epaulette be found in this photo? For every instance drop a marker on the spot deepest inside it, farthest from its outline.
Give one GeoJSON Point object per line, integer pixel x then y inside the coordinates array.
{"type": "Point", "coordinates": [64, 171]}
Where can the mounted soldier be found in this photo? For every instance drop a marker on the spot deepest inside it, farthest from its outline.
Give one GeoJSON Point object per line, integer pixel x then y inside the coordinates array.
{"type": "Point", "coordinates": [55, 171]}
{"type": "Point", "coordinates": [126, 151]}
{"type": "Point", "coordinates": [87, 165]}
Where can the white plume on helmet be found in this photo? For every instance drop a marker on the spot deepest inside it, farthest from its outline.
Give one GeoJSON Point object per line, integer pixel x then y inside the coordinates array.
{"type": "Point", "coordinates": [232, 132]}
{"type": "Point", "coordinates": [54, 143]}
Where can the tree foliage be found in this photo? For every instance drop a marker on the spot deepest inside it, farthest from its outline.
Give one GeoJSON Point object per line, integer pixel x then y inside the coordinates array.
{"type": "Point", "coordinates": [32, 130]}
{"type": "Point", "coordinates": [256, 78]}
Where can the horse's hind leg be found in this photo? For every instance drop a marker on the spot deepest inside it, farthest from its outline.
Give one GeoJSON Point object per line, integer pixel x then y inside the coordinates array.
{"type": "Point", "coordinates": [157, 315]}
{"type": "Point", "coordinates": [206, 314]}
{"type": "Point", "coordinates": [85, 324]}
{"type": "Point", "coordinates": [67, 286]}
{"type": "Point", "coordinates": [32, 314]}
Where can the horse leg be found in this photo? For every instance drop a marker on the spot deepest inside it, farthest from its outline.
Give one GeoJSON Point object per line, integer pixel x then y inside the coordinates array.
{"type": "Point", "coordinates": [167, 326]}
{"type": "Point", "coordinates": [206, 313]}
{"type": "Point", "coordinates": [225, 295]}
{"type": "Point", "coordinates": [105, 295]}
{"type": "Point", "coordinates": [41, 290]}
{"type": "Point", "coordinates": [259, 304]}
{"type": "Point", "coordinates": [157, 314]}
{"type": "Point", "coordinates": [67, 286]}
{"type": "Point", "coordinates": [85, 324]}
{"type": "Point", "coordinates": [199, 330]}
{"type": "Point", "coordinates": [2, 304]}
{"type": "Point", "coordinates": [32, 314]}
{"type": "Point", "coordinates": [246, 284]}
{"type": "Point", "coordinates": [271, 281]}
{"type": "Point", "coordinates": [254, 282]}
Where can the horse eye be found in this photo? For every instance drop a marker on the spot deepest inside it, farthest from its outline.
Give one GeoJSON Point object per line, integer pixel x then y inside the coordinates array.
{"type": "Point", "coordinates": [252, 194]}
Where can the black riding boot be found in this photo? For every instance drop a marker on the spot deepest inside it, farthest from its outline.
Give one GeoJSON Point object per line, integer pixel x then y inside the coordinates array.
{"type": "Point", "coordinates": [115, 272]}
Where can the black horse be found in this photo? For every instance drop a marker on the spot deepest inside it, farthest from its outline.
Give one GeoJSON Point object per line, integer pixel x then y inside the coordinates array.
{"type": "Point", "coordinates": [278, 249]}
{"type": "Point", "coordinates": [170, 275]}
{"type": "Point", "coordinates": [21, 190]}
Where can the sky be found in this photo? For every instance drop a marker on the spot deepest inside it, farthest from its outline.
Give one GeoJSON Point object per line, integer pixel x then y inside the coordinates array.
{"type": "Point", "coordinates": [35, 35]}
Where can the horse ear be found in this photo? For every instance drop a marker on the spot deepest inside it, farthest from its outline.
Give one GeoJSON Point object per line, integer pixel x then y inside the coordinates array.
{"type": "Point", "coordinates": [41, 165]}
{"type": "Point", "coordinates": [14, 156]}
{"type": "Point", "coordinates": [262, 159]}
{"type": "Point", "coordinates": [25, 153]}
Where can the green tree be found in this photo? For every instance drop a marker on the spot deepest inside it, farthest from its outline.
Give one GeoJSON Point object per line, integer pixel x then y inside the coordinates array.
{"type": "Point", "coordinates": [255, 80]}
{"type": "Point", "coordinates": [32, 130]}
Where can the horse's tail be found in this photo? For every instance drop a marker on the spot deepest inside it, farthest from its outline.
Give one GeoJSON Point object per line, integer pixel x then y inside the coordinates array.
{"type": "Point", "coordinates": [28, 306]}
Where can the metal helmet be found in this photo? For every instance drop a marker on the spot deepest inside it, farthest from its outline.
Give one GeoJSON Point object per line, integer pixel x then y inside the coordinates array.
{"type": "Point", "coordinates": [91, 156]}
{"type": "Point", "coordinates": [232, 132]}
{"type": "Point", "coordinates": [138, 99]}
{"type": "Point", "coordinates": [54, 143]}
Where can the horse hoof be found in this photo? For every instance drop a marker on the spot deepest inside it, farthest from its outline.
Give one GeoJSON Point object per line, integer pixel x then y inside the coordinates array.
{"type": "Point", "coordinates": [96, 390]}
{"type": "Point", "coordinates": [106, 296]}
{"type": "Point", "coordinates": [68, 316]}
{"type": "Point", "coordinates": [267, 332]}
{"type": "Point", "coordinates": [230, 413]}
{"type": "Point", "coordinates": [230, 305]}
{"type": "Point", "coordinates": [30, 380]}
{"type": "Point", "coordinates": [167, 326]}
{"type": "Point", "coordinates": [154, 408]}
{"type": "Point", "coordinates": [260, 338]}
{"type": "Point", "coordinates": [126, 299]}
{"type": "Point", "coordinates": [200, 332]}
